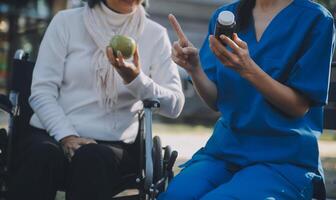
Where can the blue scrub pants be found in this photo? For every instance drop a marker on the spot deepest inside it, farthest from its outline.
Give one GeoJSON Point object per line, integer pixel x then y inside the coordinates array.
{"type": "Point", "coordinates": [212, 180]}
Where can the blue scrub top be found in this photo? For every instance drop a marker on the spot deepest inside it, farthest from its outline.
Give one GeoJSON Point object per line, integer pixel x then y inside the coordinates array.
{"type": "Point", "coordinates": [296, 49]}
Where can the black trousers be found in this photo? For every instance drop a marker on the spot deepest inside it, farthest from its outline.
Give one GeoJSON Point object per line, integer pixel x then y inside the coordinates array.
{"type": "Point", "coordinates": [93, 173]}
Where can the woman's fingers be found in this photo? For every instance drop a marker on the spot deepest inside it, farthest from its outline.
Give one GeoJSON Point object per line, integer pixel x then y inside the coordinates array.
{"type": "Point", "coordinates": [71, 146]}
{"type": "Point", "coordinates": [230, 43]}
{"type": "Point", "coordinates": [174, 52]}
{"type": "Point", "coordinates": [220, 51]}
{"type": "Point", "coordinates": [84, 141]}
{"type": "Point", "coordinates": [239, 42]}
{"type": "Point", "coordinates": [178, 30]}
{"type": "Point", "coordinates": [70, 149]}
{"type": "Point", "coordinates": [180, 61]}
{"type": "Point", "coordinates": [71, 153]}
{"type": "Point", "coordinates": [120, 60]}
{"type": "Point", "coordinates": [77, 144]}
{"type": "Point", "coordinates": [136, 58]}
{"type": "Point", "coordinates": [190, 51]}
{"type": "Point", "coordinates": [88, 141]}
{"type": "Point", "coordinates": [185, 52]}
{"type": "Point", "coordinates": [225, 60]}
{"type": "Point", "coordinates": [110, 55]}
{"type": "Point", "coordinates": [178, 48]}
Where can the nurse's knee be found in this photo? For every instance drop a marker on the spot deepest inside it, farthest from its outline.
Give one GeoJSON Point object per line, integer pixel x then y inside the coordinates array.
{"type": "Point", "coordinates": [178, 194]}
{"type": "Point", "coordinates": [220, 196]}
{"type": "Point", "coordinates": [179, 189]}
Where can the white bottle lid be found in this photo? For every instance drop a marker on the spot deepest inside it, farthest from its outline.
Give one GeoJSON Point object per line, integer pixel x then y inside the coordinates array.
{"type": "Point", "coordinates": [226, 18]}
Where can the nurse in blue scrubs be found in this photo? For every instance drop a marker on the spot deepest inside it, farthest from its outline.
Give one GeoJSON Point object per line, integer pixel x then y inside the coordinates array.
{"type": "Point", "coordinates": [270, 84]}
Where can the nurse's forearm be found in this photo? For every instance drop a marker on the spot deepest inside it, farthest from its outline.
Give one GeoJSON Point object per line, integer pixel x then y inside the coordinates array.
{"type": "Point", "coordinates": [205, 88]}
{"type": "Point", "coordinates": [279, 95]}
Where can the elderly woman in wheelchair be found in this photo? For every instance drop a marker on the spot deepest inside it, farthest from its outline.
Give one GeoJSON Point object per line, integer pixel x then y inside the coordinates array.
{"type": "Point", "coordinates": [86, 101]}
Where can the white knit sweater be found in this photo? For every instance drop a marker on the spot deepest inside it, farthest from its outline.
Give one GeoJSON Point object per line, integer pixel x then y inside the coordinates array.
{"type": "Point", "coordinates": [64, 97]}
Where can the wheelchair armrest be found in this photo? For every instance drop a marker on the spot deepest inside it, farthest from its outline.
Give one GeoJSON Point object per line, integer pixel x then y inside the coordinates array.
{"type": "Point", "coordinates": [148, 144]}
{"type": "Point", "coordinates": [151, 103]}
{"type": "Point", "coordinates": [21, 55]}
{"type": "Point", "coordinates": [5, 104]}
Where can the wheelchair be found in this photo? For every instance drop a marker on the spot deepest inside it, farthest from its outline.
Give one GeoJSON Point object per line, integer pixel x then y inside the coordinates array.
{"type": "Point", "coordinates": [156, 162]}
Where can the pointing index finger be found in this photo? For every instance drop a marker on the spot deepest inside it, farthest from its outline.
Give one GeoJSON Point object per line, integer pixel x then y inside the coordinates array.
{"type": "Point", "coordinates": [177, 27]}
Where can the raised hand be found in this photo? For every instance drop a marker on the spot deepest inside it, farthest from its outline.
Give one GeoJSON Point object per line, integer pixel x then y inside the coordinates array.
{"type": "Point", "coordinates": [183, 52]}
{"type": "Point", "coordinates": [128, 71]}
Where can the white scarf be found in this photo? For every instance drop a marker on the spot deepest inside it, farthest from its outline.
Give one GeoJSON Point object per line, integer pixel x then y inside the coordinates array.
{"type": "Point", "coordinates": [102, 24]}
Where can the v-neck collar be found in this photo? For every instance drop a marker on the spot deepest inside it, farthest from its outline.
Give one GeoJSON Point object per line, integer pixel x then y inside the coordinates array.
{"type": "Point", "coordinates": [273, 20]}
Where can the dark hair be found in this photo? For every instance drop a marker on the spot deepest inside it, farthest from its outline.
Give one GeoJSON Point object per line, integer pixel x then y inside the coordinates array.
{"type": "Point", "coordinates": [244, 13]}
{"type": "Point", "coordinates": [93, 3]}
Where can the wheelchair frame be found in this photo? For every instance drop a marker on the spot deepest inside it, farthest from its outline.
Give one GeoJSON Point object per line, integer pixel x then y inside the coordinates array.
{"type": "Point", "coordinates": [155, 171]}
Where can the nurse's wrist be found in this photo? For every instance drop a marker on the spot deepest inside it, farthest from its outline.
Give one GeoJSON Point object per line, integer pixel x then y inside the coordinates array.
{"type": "Point", "coordinates": [196, 71]}
{"type": "Point", "coordinates": [251, 72]}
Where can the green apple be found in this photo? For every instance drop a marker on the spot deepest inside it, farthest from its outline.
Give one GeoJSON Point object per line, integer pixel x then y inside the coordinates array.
{"type": "Point", "coordinates": [126, 45]}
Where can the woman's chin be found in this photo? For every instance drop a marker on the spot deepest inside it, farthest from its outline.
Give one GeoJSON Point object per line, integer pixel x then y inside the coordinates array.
{"type": "Point", "coordinates": [127, 9]}
{"type": "Point", "coordinates": [129, 4]}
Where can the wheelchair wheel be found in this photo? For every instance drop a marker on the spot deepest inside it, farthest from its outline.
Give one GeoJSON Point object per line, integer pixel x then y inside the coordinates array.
{"type": "Point", "coordinates": [166, 158]}
{"type": "Point", "coordinates": [157, 159]}
{"type": "Point", "coordinates": [167, 155]}
{"type": "Point", "coordinates": [3, 164]}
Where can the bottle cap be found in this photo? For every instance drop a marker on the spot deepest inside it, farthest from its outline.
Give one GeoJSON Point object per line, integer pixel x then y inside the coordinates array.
{"type": "Point", "coordinates": [226, 18]}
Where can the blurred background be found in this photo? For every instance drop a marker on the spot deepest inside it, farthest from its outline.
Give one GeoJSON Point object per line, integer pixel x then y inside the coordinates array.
{"type": "Point", "coordinates": [23, 23]}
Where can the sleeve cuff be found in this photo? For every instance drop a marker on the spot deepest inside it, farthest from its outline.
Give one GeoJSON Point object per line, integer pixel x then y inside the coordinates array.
{"type": "Point", "coordinates": [59, 136]}
{"type": "Point", "coordinates": [138, 86]}
{"type": "Point", "coordinates": [317, 97]}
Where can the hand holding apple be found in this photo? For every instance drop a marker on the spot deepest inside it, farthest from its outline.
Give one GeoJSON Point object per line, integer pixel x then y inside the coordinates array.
{"type": "Point", "coordinates": [122, 48]}
{"type": "Point", "coordinates": [126, 45]}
